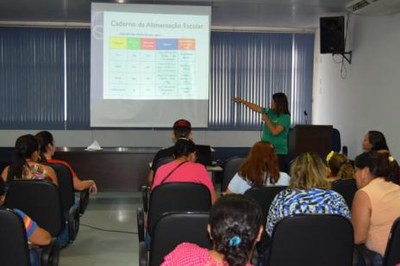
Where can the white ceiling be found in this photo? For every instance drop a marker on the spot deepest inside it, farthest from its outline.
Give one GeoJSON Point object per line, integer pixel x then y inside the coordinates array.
{"type": "Point", "coordinates": [292, 14]}
{"type": "Point", "coordinates": [232, 13]}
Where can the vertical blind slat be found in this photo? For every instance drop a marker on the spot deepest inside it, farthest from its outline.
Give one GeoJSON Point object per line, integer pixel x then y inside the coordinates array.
{"type": "Point", "coordinates": [31, 78]}
{"type": "Point", "coordinates": [256, 66]}
{"type": "Point", "coordinates": [249, 65]}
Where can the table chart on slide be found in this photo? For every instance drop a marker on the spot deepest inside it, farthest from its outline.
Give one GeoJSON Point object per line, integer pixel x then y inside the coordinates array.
{"type": "Point", "coordinates": [155, 68]}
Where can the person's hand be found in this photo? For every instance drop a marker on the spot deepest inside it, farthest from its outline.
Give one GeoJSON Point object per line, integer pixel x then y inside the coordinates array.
{"type": "Point", "coordinates": [93, 188]}
{"type": "Point", "coordinates": [238, 100]}
{"type": "Point", "coordinates": [265, 117]}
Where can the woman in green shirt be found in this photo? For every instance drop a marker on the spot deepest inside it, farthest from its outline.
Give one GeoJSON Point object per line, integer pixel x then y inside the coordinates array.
{"type": "Point", "coordinates": [276, 124]}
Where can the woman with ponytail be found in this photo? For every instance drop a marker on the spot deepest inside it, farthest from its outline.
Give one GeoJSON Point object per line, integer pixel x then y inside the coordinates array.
{"type": "Point", "coordinates": [24, 163]}
{"type": "Point", "coordinates": [339, 166]}
{"type": "Point", "coordinates": [47, 151]}
{"type": "Point", "coordinates": [235, 226]}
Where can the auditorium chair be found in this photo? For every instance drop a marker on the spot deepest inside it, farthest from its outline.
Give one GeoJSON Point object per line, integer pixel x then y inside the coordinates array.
{"type": "Point", "coordinates": [146, 189]}
{"type": "Point", "coordinates": [312, 240]}
{"type": "Point", "coordinates": [392, 252]}
{"type": "Point", "coordinates": [67, 188]}
{"type": "Point", "coordinates": [231, 167]}
{"type": "Point", "coordinates": [264, 196]}
{"type": "Point", "coordinates": [67, 192]}
{"type": "Point", "coordinates": [347, 188]}
{"type": "Point", "coordinates": [171, 230]}
{"type": "Point", "coordinates": [40, 200]}
{"type": "Point", "coordinates": [172, 197]}
{"type": "Point", "coordinates": [14, 248]}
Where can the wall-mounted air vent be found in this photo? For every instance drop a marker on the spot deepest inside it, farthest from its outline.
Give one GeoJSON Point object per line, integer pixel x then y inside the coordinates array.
{"type": "Point", "coordinates": [374, 7]}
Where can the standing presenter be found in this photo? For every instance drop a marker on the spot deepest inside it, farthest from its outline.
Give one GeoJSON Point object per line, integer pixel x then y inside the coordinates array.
{"type": "Point", "coordinates": [276, 125]}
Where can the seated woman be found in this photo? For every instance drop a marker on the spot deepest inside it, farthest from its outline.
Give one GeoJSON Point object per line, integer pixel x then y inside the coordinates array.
{"type": "Point", "coordinates": [339, 166]}
{"type": "Point", "coordinates": [35, 234]}
{"type": "Point", "coordinates": [24, 163]}
{"type": "Point", "coordinates": [261, 168]}
{"type": "Point", "coordinates": [308, 192]}
{"type": "Point", "coordinates": [235, 225]}
{"type": "Point", "coordinates": [47, 150]}
{"type": "Point", "coordinates": [376, 204]}
{"type": "Point", "coordinates": [184, 168]}
{"type": "Point", "coordinates": [376, 141]}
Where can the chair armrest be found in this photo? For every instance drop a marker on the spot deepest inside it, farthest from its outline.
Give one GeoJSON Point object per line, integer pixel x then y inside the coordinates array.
{"type": "Point", "coordinates": [140, 224]}
{"type": "Point", "coordinates": [73, 222]}
{"type": "Point", "coordinates": [83, 200]}
{"type": "Point", "coordinates": [143, 254]}
{"type": "Point", "coordinates": [145, 198]}
{"type": "Point", "coordinates": [50, 253]}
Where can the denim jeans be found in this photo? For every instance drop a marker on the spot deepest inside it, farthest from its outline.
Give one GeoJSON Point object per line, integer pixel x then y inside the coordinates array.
{"type": "Point", "coordinates": [376, 259]}
{"type": "Point", "coordinates": [35, 255]}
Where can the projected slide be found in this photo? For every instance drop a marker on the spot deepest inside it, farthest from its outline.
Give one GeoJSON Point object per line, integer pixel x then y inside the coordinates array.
{"type": "Point", "coordinates": [150, 68]}
{"type": "Point", "coordinates": [157, 58]}
{"type": "Point", "coordinates": [149, 65]}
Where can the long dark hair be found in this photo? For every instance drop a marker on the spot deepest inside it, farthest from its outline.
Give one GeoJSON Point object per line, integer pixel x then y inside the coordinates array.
{"type": "Point", "coordinates": [378, 143]}
{"type": "Point", "coordinates": [235, 221]}
{"type": "Point", "coordinates": [377, 163]}
{"type": "Point", "coordinates": [25, 146]}
{"type": "Point", "coordinates": [281, 103]}
{"type": "Point", "coordinates": [44, 138]}
{"type": "Point", "coordinates": [377, 140]}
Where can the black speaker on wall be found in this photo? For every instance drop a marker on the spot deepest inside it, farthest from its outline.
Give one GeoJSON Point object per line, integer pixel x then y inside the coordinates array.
{"type": "Point", "coordinates": [332, 35]}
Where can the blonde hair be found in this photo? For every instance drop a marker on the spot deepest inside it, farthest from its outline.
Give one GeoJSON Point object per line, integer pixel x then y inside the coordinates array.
{"type": "Point", "coordinates": [308, 171]}
{"type": "Point", "coordinates": [340, 166]}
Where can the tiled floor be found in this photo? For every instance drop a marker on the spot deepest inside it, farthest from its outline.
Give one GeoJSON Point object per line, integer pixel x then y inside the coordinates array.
{"type": "Point", "coordinates": [108, 211]}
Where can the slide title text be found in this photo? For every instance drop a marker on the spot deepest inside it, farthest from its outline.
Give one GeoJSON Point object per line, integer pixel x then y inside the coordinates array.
{"type": "Point", "coordinates": [157, 25]}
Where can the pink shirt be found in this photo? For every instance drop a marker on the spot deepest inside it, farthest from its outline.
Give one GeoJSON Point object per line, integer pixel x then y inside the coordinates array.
{"type": "Point", "coordinates": [188, 254]}
{"type": "Point", "coordinates": [187, 172]}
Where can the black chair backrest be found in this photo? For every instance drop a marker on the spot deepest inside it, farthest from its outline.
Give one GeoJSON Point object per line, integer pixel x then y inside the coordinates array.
{"type": "Point", "coordinates": [40, 200]}
{"type": "Point", "coordinates": [230, 166]}
{"type": "Point", "coordinates": [65, 185]}
{"type": "Point", "coordinates": [392, 252]}
{"type": "Point", "coordinates": [314, 239]}
{"type": "Point", "coordinates": [13, 244]}
{"type": "Point", "coordinates": [347, 188]}
{"type": "Point", "coordinates": [336, 143]}
{"type": "Point", "coordinates": [174, 228]}
{"type": "Point", "coordinates": [264, 196]}
{"type": "Point", "coordinates": [177, 197]}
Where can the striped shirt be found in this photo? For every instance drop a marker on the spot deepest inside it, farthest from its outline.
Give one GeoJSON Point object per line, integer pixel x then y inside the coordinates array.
{"type": "Point", "coordinates": [297, 201]}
